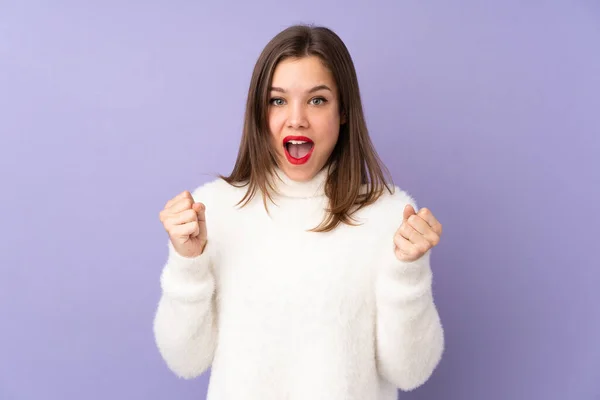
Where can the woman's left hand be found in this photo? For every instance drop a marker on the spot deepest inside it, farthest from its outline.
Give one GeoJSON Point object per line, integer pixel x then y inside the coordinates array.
{"type": "Point", "coordinates": [418, 233]}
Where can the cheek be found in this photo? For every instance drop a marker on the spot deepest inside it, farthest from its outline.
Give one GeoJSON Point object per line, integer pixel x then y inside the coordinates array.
{"type": "Point", "coordinates": [275, 121]}
{"type": "Point", "coordinates": [329, 129]}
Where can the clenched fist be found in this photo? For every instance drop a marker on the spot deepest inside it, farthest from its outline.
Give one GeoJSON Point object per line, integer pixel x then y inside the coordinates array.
{"type": "Point", "coordinates": [418, 233]}
{"type": "Point", "coordinates": [184, 221]}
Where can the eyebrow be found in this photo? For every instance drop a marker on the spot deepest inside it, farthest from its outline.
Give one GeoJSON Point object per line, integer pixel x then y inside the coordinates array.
{"type": "Point", "coordinates": [315, 89]}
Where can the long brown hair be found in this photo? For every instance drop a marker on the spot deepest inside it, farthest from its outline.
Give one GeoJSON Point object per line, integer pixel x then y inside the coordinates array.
{"type": "Point", "coordinates": [354, 160]}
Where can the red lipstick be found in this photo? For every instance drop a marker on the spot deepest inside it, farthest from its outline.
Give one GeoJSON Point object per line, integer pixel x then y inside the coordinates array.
{"type": "Point", "coordinates": [293, 160]}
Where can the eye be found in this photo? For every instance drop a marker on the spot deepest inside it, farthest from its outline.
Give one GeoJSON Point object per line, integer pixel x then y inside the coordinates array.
{"type": "Point", "coordinates": [276, 101]}
{"type": "Point", "coordinates": [317, 101]}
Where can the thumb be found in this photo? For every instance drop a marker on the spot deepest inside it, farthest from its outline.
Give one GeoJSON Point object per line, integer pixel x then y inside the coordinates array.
{"type": "Point", "coordinates": [201, 232]}
{"type": "Point", "coordinates": [198, 207]}
{"type": "Point", "coordinates": [408, 211]}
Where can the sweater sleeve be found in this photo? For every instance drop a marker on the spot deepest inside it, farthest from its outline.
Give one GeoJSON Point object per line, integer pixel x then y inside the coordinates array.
{"type": "Point", "coordinates": [410, 338]}
{"type": "Point", "coordinates": [185, 323]}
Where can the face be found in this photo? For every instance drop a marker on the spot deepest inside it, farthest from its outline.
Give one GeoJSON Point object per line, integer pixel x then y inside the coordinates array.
{"type": "Point", "coordinates": [304, 117]}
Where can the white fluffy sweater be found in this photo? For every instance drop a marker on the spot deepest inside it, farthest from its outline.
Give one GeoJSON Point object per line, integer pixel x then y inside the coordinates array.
{"type": "Point", "coordinates": [279, 313]}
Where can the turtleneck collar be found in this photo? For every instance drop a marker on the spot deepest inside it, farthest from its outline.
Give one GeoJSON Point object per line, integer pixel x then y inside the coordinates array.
{"type": "Point", "coordinates": [290, 188]}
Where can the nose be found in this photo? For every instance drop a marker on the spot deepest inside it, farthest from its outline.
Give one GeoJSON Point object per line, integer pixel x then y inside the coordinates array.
{"type": "Point", "coordinates": [297, 117]}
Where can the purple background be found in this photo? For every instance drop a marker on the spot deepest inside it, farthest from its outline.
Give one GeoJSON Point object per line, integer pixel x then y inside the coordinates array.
{"type": "Point", "coordinates": [487, 112]}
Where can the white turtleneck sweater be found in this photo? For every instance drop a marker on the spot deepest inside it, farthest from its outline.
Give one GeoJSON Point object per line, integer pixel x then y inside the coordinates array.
{"type": "Point", "coordinates": [279, 313]}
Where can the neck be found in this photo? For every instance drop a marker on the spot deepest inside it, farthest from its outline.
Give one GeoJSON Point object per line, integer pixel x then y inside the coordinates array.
{"type": "Point", "coordinates": [287, 187]}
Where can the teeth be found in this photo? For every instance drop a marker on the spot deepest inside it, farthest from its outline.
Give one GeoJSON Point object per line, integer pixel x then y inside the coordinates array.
{"type": "Point", "coordinates": [297, 141]}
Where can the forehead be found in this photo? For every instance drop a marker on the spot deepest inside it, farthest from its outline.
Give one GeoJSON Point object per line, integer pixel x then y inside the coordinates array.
{"type": "Point", "coordinates": [302, 73]}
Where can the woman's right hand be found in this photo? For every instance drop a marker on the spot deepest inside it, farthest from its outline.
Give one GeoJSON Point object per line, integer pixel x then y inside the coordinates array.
{"type": "Point", "coordinates": [185, 222]}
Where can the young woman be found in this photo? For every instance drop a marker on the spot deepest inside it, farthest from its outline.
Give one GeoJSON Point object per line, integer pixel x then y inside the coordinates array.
{"type": "Point", "coordinates": [303, 274]}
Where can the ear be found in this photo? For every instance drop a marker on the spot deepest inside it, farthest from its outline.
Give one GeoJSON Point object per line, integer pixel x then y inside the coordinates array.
{"type": "Point", "coordinates": [343, 118]}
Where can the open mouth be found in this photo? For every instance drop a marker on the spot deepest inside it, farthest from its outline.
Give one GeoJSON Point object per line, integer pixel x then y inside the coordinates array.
{"type": "Point", "coordinates": [298, 149]}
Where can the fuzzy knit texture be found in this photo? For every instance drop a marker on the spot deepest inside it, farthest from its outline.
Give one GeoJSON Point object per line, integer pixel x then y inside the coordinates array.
{"type": "Point", "coordinates": [279, 313]}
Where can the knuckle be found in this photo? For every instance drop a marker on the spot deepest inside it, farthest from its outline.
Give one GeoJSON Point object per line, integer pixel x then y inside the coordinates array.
{"type": "Point", "coordinates": [400, 255]}
{"type": "Point", "coordinates": [399, 246]}
{"type": "Point", "coordinates": [191, 228]}
{"type": "Point", "coordinates": [191, 214]}
{"type": "Point", "coordinates": [182, 217]}
{"type": "Point", "coordinates": [417, 250]}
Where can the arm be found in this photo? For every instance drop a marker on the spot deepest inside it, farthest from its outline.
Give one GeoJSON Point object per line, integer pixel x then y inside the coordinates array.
{"type": "Point", "coordinates": [185, 323]}
{"type": "Point", "coordinates": [410, 338]}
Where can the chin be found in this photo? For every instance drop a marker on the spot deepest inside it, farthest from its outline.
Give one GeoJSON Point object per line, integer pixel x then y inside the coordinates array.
{"type": "Point", "coordinates": [299, 173]}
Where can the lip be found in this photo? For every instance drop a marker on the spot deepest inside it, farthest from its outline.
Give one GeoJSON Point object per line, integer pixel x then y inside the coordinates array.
{"type": "Point", "coordinates": [297, 161]}
{"type": "Point", "coordinates": [302, 138]}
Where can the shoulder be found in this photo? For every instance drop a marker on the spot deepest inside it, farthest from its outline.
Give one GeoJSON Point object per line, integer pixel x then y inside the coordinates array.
{"type": "Point", "coordinates": [395, 201]}
{"type": "Point", "coordinates": [386, 212]}
{"type": "Point", "coordinates": [217, 193]}
{"type": "Point", "coordinates": [209, 190]}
